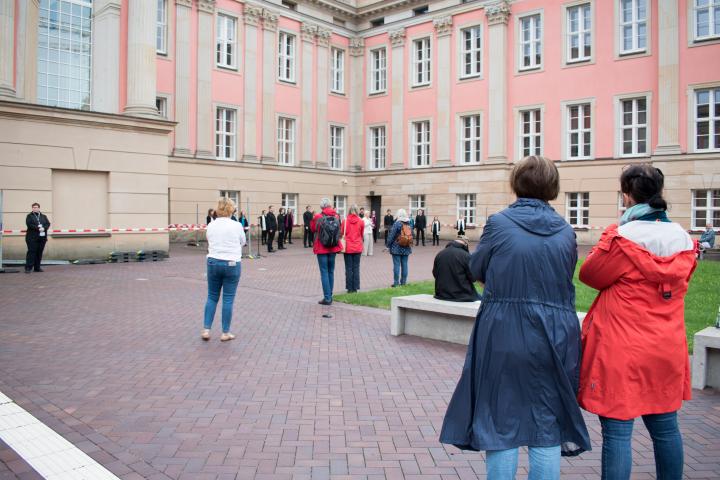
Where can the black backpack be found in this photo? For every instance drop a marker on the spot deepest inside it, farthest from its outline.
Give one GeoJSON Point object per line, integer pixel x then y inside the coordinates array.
{"type": "Point", "coordinates": [329, 231]}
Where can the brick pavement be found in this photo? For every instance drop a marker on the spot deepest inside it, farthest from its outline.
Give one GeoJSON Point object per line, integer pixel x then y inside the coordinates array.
{"type": "Point", "coordinates": [109, 356]}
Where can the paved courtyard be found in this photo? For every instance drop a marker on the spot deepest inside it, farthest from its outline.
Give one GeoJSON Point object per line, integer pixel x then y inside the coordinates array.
{"type": "Point", "coordinates": [109, 356]}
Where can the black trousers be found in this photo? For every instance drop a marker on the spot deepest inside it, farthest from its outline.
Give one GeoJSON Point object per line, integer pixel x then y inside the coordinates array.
{"type": "Point", "coordinates": [419, 232]}
{"type": "Point", "coordinates": [263, 237]}
{"type": "Point", "coordinates": [270, 238]}
{"type": "Point", "coordinates": [436, 238]}
{"type": "Point", "coordinates": [281, 238]}
{"type": "Point", "coordinates": [352, 272]}
{"type": "Point", "coordinates": [288, 235]}
{"type": "Point", "coordinates": [34, 253]}
{"type": "Point", "coordinates": [387, 231]}
{"type": "Point", "coordinates": [375, 235]}
{"type": "Point", "coordinates": [308, 237]}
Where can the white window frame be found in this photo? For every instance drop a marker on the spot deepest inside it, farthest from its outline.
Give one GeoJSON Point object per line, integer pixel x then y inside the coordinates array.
{"type": "Point", "coordinates": [233, 195]}
{"type": "Point", "coordinates": [536, 139]}
{"type": "Point", "coordinates": [340, 204]}
{"type": "Point", "coordinates": [287, 59]}
{"type": "Point", "coordinates": [426, 144]}
{"type": "Point", "coordinates": [461, 139]}
{"type": "Point", "coordinates": [337, 70]}
{"type": "Point", "coordinates": [536, 44]}
{"type": "Point", "coordinates": [692, 20]}
{"type": "Point", "coordinates": [634, 24]}
{"type": "Point", "coordinates": [415, 203]}
{"type": "Point", "coordinates": [421, 68]}
{"type": "Point", "coordinates": [693, 119]}
{"type": "Point", "coordinates": [287, 144]}
{"type": "Point", "coordinates": [223, 40]}
{"type": "Point", "coordinates": [377, 151]}
{"type": "Point", "coordinates": [620, 127]}
{"type": "Point", "coordinates": [289, 201]}
{"type": "Point", "coordinates": [582, 211]}
{"type": "Point", "coordinates": [566, 133]}
{"type": "Point", "coordinates": [164, 103]}
{"type": "Point", "coordinates": [467, 208]}
{"type": "Point", "coordinates": [709, 208]}
{"type": "Point", "coordinates": [226, 138]}
{"type": "Point", "coordinates": [378, 73]}
{"type": "Point", "coordinates": [477, 71]}
{"type": "Point", "coordinates": [621, 204]}
{"type": "Point", "coordinates": [581, 59]}
{"type": "Point", "coordinates": [337, 147]}
{"type": "Point", "coordinates": [161, 27]}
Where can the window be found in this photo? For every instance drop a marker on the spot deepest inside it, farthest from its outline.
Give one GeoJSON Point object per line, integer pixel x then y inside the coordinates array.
{"type": "Point", "coordinates": [336, 147]}
{"type": "Point", "coordinates": [161, 28]}
{"type": "Point", "coordinates": [471, 51]}
{"type": "Point", "coordinates": [225, 134]}
{"type": "Point", "coordinates": [421, 62]}
{"type": "Point", "coordinates": [634, 126]}
{"type": "Point", "coordinates": [420, 10]}
{"type": "Point", "coordinates": [289, 203]}
{"type": "Point", "coordinates": [286, 64]}
{"type": "Point", "coordinates": [530, 132]}
{"type": "Point", "coordinates": [579, 33]}
{"type": "Point", "coordinates": [530, 42]}
{"type": "Point", "coordinates": [705, 208]}
{"type": "Point", "coordinates": [378, 22]}
{"type": "Point", "coordinates": [233, 195]}
{"type": "Point", "coordinates": [289, 4]}
{"type": "Point", "coordinates": [286, 141]}
{"type": "Point", "coordinates": [466, 208]}
{"type": "Point", "coordinates": [378, 70]}
{"type": "Point", "coordinates": [161, 105]}
{"type": "Point", "coordinates": [64, 59]}
{"type": "Point", "coordinates": [707, 119]}
{"type": "Point", "coordinates": [579, 131]}
{"type": "Point", "coordinates": [338, 70]}
{"type": "Point", "coordinates": [421, 144]}
{"type": "Point", "coordinates": [417, 202]}
{"type": "Point", "coordinates": [706, 18]}
{"type": "Point", "coordinates": [578, 209]}
{"type": "Point", "coordinates": [378, 151]}
{"type": "Point", "coordinates": [470, 139]}
{"type": "Point", "coordinates": [621, 204]}
{"type": "Point", "coordinates": [226, 50]}
{"type": "Point", "coordinates": [633, 26]}
{"type": "Point", "coordinates": [340, 202]}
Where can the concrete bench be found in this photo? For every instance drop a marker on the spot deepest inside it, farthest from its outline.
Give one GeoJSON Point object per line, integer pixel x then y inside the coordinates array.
{"type": "Point", "coordinates": [427, 317]}
{"type": "Point", "coordinates": [706, 359]}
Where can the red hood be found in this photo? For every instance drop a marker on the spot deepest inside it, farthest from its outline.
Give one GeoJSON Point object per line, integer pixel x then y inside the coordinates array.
{"type": "Point", "coordinates": [329, 211]}
{"type": "Point", "coordinates": [353, 219]}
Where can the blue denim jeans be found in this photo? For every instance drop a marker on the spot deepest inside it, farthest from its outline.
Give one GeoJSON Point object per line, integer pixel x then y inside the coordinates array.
{"type": "Point", "coordinates": [326, 262]}
{"type": "Point", "coordinates": [544, 463]}
{"type": "Point", "coordinates": [352, 271]}
{"type": "Point", "coordinates": [617, 446]}
{"type": "Point", "coordinates": [400, 262]}
{"type": "Point", "coordinates": [221, 275]}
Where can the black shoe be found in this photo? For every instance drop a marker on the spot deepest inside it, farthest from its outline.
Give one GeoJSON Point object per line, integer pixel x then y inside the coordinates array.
{"type": "Point", "coordinates": [27, 271]}
{"type": "Point", "coordinates": [271, 251]}
{"type": "Point", "coordinates": [39, 270]}
{"type": "Point", "coordinates": [290, 243]}
{"type": "Point", "coordinates": [325, 302]}
{"type": "Point", "coordinates": [393, 286]}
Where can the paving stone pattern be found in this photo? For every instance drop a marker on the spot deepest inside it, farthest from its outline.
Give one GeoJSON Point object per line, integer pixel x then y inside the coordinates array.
{"type": "Point", "coordinates": [110, 357]}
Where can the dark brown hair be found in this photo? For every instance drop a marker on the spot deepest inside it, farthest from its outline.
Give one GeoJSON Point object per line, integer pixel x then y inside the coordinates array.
{"type": "Point", "coordinates": [644, 183]}
{"type": "Point", "coordinates": [535, 177]}
{"type": "Point", "coordinates": [36, 204]}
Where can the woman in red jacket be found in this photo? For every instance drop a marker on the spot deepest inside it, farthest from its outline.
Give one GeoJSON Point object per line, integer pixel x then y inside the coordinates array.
{"type": "Point", "coordinates": [635, 356]}
{"type": "Point", "coordinates": [352, 232]}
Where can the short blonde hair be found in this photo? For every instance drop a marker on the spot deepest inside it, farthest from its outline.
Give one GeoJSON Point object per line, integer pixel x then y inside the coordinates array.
{"type": "Point", "coordinates": [225, 207]}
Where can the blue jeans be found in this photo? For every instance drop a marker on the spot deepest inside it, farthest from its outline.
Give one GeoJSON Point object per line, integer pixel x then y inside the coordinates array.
{"type": "Point", "coordinates": [221, 275]}
{"type": "Point", "coordinates": [326, 261]}
{"type": "Point", "coordinates": [617, 446]}
{"type": "Point", "coordinates": [352, 271]}
{"type": "Point", "coordinates": [544, 463]}
{"type": "Point", "coordinates": [400, 262]}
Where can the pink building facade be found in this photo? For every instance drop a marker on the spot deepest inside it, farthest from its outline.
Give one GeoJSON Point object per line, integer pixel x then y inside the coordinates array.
{"type": "Point", "coordinates": [390, 104]}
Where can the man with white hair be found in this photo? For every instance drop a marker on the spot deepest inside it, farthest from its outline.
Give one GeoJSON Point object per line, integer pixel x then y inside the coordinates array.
{"type": "Point", "coordinates": [326, 228]}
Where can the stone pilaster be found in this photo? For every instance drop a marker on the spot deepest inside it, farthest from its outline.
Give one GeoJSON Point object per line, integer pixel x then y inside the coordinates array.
{"type": "Point", "coordinates": [28, 16]}
{"type": "Point", "coordinates": [357, 127]}
{"type": "Point", "coordinates": [397, 70]}
{"type": "Point", "coordinates": [308, 32]}
{"type": "Point", "coordinates": [106, 64]}
{"type": "Point", "coordinates": [497, 14]}
{"type": "Point", "coordinates": [205, 58]}
{"type": "Point", "coordinates": [443, 30]}
{"type": "Point", "coordinates": [7, 49]}
{"type": "Point", "coordinates": [668, 142]}
{"type": "Point", "coordinates": [183, 10]}
{"type": "Point", "coordinates": [270, 72]}
{"type": "Point", "coordinates": [252, 15]}
{"type": "Point", "coordinates": [323, 53]}
{"type": "Point", "coordinates": [141, 66]}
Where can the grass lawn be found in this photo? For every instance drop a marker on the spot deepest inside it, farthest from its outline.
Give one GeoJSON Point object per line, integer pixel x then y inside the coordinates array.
{"type": "Point", "coordinates": [701, 303]}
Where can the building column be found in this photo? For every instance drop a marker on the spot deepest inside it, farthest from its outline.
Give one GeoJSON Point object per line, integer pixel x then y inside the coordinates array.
{"type": "Point", "coordinates": [205, 57]}
{"type": "Point", "coordinates": [357, 95]}
{"type": "Point", "coordinates": [251, 16]}
{"type": "Point", "coordinates": [28, 17]}
{"type": "Point", "coordinates": [323, 74]}
{"type": "Point", "coordinates": [397, 69]}
{"type": "Point", "coordinates": [668, 142]}
{"type": "Point", "coordinates": [270, 62]}
{"type": "Point", "coordinates": [497, 15]}
{"type": "Point", "coordinates": [141, 66]}
{"type": "Point", "coordinates": [7, 49]}
{"type": "Point", "coordinates": [443, 29]}
{"type": "Point", "coordinates": [106, 66]}
{"type": "Point", "coordinates": [308, 32]}
{"type": "Point", "coordinates": [183, 10]}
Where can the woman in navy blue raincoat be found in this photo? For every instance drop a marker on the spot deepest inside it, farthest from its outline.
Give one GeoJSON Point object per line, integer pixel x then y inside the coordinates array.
{"type": "Point", "coordinates": [518, 386]}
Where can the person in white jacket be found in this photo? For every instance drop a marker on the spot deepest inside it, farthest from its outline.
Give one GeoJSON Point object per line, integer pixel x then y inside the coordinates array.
{"type": "Point", "coordinates": [368, 236]}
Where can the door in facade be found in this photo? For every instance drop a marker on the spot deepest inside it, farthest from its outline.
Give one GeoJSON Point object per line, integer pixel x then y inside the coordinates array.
{"type": "Point", "coordinates": [375, 203]}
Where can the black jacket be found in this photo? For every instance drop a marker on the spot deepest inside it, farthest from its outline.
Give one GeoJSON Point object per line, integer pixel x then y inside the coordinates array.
{"type": "Point", "coordinates": [435, 227]}
{"type": "Point", "coordinates": [270, 221]}
{"type": "Point", "coordinates": [33, 227]}
{"type": "Point", "coordinates": [281, 222]}
{"type": "Point", "coordinates": [307, 218]}
{"type": "Point", "coordinates": [420, 222]}
{"type": "Point", "coordinates": [453, 280]}
{"type": "Point", "coordinates": [388, 221]}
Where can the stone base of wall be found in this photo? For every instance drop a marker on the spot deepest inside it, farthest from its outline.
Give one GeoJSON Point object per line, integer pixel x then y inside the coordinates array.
{"type": "Point", "coordinates": [74, 248]}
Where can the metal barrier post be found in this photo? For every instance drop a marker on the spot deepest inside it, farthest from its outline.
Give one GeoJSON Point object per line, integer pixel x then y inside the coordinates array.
{"type": "Point", "coordinates": [3, 270]}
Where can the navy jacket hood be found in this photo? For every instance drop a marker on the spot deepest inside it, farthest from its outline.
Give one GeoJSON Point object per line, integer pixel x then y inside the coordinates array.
{"type": "Point", "coordinates": [535, 216]}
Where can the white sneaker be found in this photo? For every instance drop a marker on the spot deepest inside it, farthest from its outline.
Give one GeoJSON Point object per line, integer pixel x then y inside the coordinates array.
{"type": "Point", "coordinates": [205, 335]}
